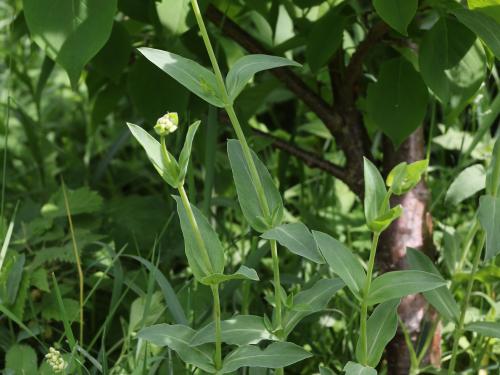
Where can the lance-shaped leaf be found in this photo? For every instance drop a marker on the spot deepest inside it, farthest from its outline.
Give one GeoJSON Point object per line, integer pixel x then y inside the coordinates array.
{"type": "Point", "coordinates": [186, 150]}
{"type": "Point", "coordinates": [484, 26]}
{"type": "Point", "coordinates": [489, 217]}
{"type": "Point", "coordinates": [193, 251]}
{"type": "Point", "coordinates": [310, 301]}
{"type": "Point", "coordinates": [381, 328]}
{"type": "Point", "coordinates": [153, 150]}
{"type": "Point", "coordinates": [342, 261]}
{"type": "Point", "coordinates": [247, 193]}
{"type": "Point", "coordinates": [375, 193]}
{"type": "Point", "coordinates": [240, 330]}
{"type": "Point", "coordinates": [247, 66]}
{"type": "Point", "coordinates": [488, 329]}
{"type": "Point", "coordinates": [397, 284]}
{"type": "Point", "coordinates": [178, 338]}
{"type": "Point", "coordinates": [353, 368]}
{"type": "Point", "coordinates": [243, 273]}
{"type": "Point", "coordinates": [493, 172]}
{"type": "Point", "coordinates": [298, 239]}
{"type": "Point", "coordinates": [441, 298]}
{"type": "Point", "coordinates": [468, 182]}
{"type": "Point", "coordinates": [276, 355]}
{"type": "Point", "coordinates": [404, 177]}
{"type": "Point", "coordinates": [197, 79]}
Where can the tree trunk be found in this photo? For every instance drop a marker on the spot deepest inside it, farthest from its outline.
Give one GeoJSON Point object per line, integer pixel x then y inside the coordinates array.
{"type": "Point", "coordinates": [412, 229]}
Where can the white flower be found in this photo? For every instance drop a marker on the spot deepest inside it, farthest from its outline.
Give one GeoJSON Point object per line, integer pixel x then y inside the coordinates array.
{"type": "Point", "coordinates": [55, 360]}
{"type": "Point", "coordinates": [167, 124]}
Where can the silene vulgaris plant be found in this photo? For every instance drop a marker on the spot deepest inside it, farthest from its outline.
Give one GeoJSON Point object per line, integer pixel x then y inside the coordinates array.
{"type": "Point", "coordinates": [255, 341]}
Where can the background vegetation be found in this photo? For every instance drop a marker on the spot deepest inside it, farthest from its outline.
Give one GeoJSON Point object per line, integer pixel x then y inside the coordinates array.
{"type": "Point", "coordinates": [421, 83]}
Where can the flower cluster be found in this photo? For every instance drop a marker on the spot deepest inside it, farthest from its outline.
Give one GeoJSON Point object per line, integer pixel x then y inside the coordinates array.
{"type": "Point", "coordinates": [55, 360]}
{"type": "Point", "coordinates": [167, 124]}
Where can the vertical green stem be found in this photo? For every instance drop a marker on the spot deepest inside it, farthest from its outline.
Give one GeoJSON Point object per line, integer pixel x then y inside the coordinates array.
{"type": "Point", "coordinates": [277, 283]}
{"type": "Point", "coordinates": [364, 303]}
{"type": "Point", "coordinates": [459, 329]}
{"type": "Point", "coordinates": [218, 330]}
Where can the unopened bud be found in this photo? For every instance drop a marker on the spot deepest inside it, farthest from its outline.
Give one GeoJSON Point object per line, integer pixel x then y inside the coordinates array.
{"type": "Point", "coordinates": [167, 124]}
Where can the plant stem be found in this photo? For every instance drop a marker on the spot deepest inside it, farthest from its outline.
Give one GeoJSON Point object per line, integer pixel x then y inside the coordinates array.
{"type": "Point", "coordinates": [364, 303]}
{"type": "Point", "coordinates": [277, 283]}
{"type": "Point", "coordinates": [459, 329]}
{"type": "Point", "coordinates": [196, 229]}
{"type": "Point", "coordinates": [218, 330]}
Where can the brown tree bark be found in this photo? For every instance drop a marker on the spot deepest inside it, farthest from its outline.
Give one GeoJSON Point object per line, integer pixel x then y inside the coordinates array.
{"type": "Point", "coordinates": [412, 229]}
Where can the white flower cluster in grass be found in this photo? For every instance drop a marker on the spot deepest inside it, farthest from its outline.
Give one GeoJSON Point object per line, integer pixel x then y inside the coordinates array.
{"type": "Point", "coordinates": [55, 360]}
{"type": "Point", "coordinates": [167, 124]}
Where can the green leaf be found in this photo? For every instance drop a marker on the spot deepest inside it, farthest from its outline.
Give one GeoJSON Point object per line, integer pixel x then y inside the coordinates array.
{"type": "Point", "coordinates": [396, 13]}
{"type": "Point", "coordinates": [488, 329]}
{"type": "Point", "coordinates": [397, 284]}
{"type": "Point", "coordinates": [342, 261]}
{"type": "Point", "coordinates": [382, 222]}
{"type": "Point", "coordinates": [243, 273]}
{"type": "Point", "coordinates": [353, 368]}
{"type": "Point", "coordinates": [153, 150]}
{"type": "Point", "coordinates": [210, 238]}
{"type": "Point", "coordinates": [326, 371]}
{"type": "Point", "coordinates": [493, 171]}
{"type": "Point", "coordinates": [489, 217]}
{"type": "Point", "coordinates": [145, 311]}
{"type": "Point", "coordinates": [173, 15]}
{"type": "Point", "coordinates": [468, 182]}
{"type": "Point", "coordinates": [375, 193]}
{"type": "Point", "coordinates": [484, 26]}
{"type": "Point", "coordinates": [381, 328]}
{"type": "Point", "coordinates": [247, 194]}
{"type": "Point", "coordinates": [276, 355]}
{"type": "Point", "coordinates": [186, 150]}
{"type": "Point", "coordinates": [70, 32]}
{"type": "Point", "coordinates": [320, 49]}
{"type": "Point", "coordinates": [441, 298]}
{"type": "Point", "coordinates": [81, 201]}
{"type": "Point", "coordinates": [178, 338]}
{"type": "Point", "coordinates": [451, 63]}
{"type": "Point", "coordinates": [298, 239]}
{"type": "Point", "coordinates": [197, 79]}
{"type": "Point", "coordinates": [246, 67]}
{"type": "Point", "coordinates": [404, 177]}
{"type": "Point", "coordinates": [309, 301]}
{"type": "Point", "coordinates": [21, 359]}
{"type": "Point", "coordinates": [240, 330]}
{"type": "Point", "coordinates": [397, 102]}
{"type": "Point", "coordinates": [488, 7]}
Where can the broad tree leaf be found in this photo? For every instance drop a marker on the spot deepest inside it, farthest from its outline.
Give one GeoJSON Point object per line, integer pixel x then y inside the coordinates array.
{"type": "Point", "coordinates": [381, 328]}
{"type": "Point", "coordinates": [397, 102]}
{"type": "Point", "coordinates": [352, 368]}
{"type": "Point", "coordinates": [197, 79]}
{"type": "Point", "coordinates": [186, 150]}
{"type": "Point", "coordinates": [375, 193]}
{"type": "Point", "coordinates": [193, 251]}
{"type": "Point", "coordinates": [240, 330]}
{"type": "Point", "coordinates": [276, 355]}
{"type": "Point", "coordinates": [441, 298]}
{"type": "Point", "coordinates": [320, 49]}
{"type": "Point", "coordinates": [397, 13]}
{"type": "Point", "coordinates": [298, 239]}
{"type": "Point", "coordinates": [468, 182]}
{"type": "Point", "coordinates": [246, 67]}
{"type": "Point", "coordinates": [447, 60]}
{"type": "Point", "coordinates": [488, 329]}
{"type": "Point", "coordinates": [342, 261]}
{"type": "Point", "coordinates": [397, 284]}
{"type": "Point", "coordinates": [489, 217]}
{"type": "Point", "coordinates": [243, 273]}
{"type": "Point", "coordinates": [247, 194]}
{"type": "Point", "coordinates": [178, 337]}
{"type": "Point", "coordinates": [70, 32]}
{"type": "Point", "coordinates": [310, 301]}
{"type": "Point", "coordinates": [153, 150]}
{"type": "Point", "coordinates": [484, 26]}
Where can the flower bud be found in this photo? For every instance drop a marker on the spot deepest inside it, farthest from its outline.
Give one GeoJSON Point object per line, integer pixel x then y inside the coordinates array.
{"type": "Point", "coordinates": [55, 360]}
{"type": "Point", "coordinates": [167, 124]}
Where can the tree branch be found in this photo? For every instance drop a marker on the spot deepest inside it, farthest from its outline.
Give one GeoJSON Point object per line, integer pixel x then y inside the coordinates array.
{"type": "Point", "coordinates": [310, 159]}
